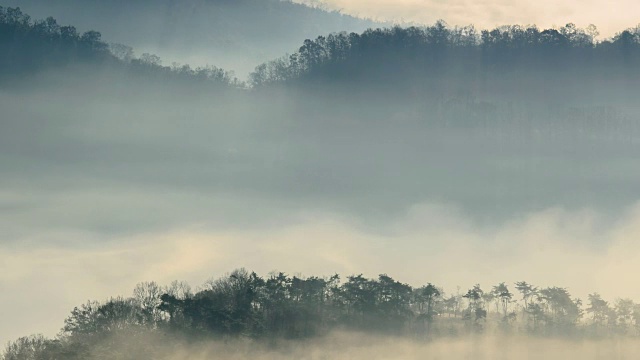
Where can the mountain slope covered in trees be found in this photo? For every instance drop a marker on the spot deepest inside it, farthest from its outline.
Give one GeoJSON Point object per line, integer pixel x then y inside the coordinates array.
{"type": "Point", "coordinates": [236, 35]}
{"type": "Point", "coordinates": [439, 60]}
{"type": "Point", "coordinates": [521, 81]}
{"type": "Point", "coordinates": [39, 46]}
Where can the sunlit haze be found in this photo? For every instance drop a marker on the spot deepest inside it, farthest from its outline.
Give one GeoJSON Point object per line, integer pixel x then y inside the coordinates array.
{"type": "Point", "coordinates": [608, 16]}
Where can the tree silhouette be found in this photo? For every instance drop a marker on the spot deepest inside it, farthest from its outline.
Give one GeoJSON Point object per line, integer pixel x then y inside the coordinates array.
{"type": "Point", "coordinates": [242, 304]}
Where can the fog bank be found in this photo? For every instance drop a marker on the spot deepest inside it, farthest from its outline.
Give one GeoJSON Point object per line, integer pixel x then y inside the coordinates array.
{"type": "Point", "coordinates": [578, 250]}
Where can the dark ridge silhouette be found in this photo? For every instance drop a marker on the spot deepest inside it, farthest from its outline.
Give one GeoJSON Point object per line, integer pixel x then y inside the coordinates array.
{"type": "Point", "coordinates": [425, 64]}
{"type": "Point", "coordinates": [245, 305]}
{"type": "Point", "coordinates": [32, 46]}
{"type": "Point", "coordinates": [522, 80]}
{"type": "Point", "coordinates": [403, 53]}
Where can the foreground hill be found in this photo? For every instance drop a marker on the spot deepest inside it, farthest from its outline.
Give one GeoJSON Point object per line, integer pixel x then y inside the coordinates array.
{"type": "Point", "coordinates": [233, 34]}
{"type": "Point", "coordinates": [156, 320]}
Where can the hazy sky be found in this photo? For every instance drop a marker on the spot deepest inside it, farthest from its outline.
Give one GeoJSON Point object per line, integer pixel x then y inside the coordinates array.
{"type": "Point", "coordinates": [610, 16]}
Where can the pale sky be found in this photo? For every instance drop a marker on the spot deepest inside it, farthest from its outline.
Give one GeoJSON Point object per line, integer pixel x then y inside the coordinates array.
{"type": "Point", "coordinates": [609, 16]}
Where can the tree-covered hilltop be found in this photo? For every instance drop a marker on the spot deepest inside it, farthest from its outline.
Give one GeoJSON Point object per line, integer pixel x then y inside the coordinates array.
{"type": "Point", "coordinates": [438, 58]}
{"type": "Point", "coordinates": [31, 46]}
{"type": "Point", "coordinates": [524, 81]}
{"type": "Point", "coordinates": [243, 304]}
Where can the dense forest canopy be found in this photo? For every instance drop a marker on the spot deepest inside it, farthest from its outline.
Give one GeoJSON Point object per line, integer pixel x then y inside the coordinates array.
{"type": "Point", "coordinates": [439, 59]}
{"type": "Point", "coordinates": [32, 46]}
{"type": "Point", "coordinates": [243, 304]}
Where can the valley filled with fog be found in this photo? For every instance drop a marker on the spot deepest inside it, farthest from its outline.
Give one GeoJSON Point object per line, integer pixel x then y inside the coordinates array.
{"type": "Point", "coordinates": [436, 154]}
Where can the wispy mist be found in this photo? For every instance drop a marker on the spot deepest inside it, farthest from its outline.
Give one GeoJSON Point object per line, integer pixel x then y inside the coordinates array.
{"type": "Point", "coordinates": [487, 14]}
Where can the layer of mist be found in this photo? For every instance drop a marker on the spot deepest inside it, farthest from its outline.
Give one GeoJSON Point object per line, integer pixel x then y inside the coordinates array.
{"type": "Point", "coordinates": [438, 154]}
{"type": "Point", "coordinates": [251, 159]}
{"type": "Point", "coordinates": [347, 345]}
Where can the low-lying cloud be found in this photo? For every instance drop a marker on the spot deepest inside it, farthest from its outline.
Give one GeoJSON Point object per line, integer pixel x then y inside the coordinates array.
{"type": "Point", "coordinates": [580, 250]}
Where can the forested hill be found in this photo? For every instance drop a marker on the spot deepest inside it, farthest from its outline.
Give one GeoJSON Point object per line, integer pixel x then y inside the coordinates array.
{"type": "Point", "coordinates": [234, 34]}
{"type": "Point", "coordinates": [439, 60]}
{"type": "Point", "coordinates": [33, 46]}
{"type": "Point", "coordinates": [245, 305]}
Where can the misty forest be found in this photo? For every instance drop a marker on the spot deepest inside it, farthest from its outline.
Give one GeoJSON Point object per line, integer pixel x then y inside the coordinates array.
{"type": "Point", "coordinates": [282, 113]}
{"type": "Point", "coordinates": [244, 305]}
